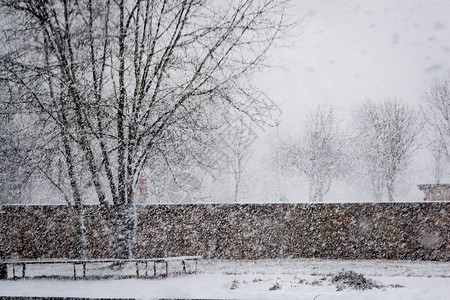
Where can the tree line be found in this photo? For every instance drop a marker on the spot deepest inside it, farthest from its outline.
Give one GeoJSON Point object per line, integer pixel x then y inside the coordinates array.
{"type": "Point", "coordinates": [378, 144]}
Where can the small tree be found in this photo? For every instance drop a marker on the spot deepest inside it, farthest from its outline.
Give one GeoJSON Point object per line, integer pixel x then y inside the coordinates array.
{"type": "Point", "coordinates": [239, 140]}
{"type": "Point", "coordinates": [322, 154]}
{"type": "Point", "coordinates": [386, 135]}
{"type": "Point", "coordinates": [319, 155]}
{"type": "Point", "coordinates": [437, 116]}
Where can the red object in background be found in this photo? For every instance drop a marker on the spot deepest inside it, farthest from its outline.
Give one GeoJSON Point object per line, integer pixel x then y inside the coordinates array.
{"type": "Point", "coordinates": [142, 187]}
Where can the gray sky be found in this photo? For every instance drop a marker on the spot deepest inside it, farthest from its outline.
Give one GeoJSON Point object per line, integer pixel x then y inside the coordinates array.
{"type": "Point", "coordinates": [349, 50]}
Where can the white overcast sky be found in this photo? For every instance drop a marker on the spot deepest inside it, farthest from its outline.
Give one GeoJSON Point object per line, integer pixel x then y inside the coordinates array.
{"type": "Point", "coordinates": [352, 50]}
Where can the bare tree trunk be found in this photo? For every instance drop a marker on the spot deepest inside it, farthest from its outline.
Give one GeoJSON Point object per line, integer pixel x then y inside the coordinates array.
{"type": "Point", "coordinates": [377, 186]}
{"type": "Point", "coordinates": [390, 189]}
{"type": "Point", "coordinates": [320, 192]}
{"type": "Point", "coordinates": [237, 180]}
{"type": "Point", "coordinates": [80, 229]}
{"type": "Point", "coordinates": [312, 191]}
{"type": "Point", "coordinates": [78, 205]}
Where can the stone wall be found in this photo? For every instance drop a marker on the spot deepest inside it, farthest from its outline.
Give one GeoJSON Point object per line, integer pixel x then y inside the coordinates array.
{"type": "Point", "coordinates": [247, 231]}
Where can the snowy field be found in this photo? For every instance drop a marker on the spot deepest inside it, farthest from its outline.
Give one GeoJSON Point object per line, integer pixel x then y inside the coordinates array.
{"type": "Point", "coordinates": [262, 279]}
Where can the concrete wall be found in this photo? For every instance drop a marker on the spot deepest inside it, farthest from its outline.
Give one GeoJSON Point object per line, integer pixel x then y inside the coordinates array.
{"type": "Point", "coordinates": [248, 231]}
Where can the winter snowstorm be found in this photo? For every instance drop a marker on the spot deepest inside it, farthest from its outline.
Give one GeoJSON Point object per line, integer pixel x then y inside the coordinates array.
{"type": "Point", "coordinates": [233, 149]}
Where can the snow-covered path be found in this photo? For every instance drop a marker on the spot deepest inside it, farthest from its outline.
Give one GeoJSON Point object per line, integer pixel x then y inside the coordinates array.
{"type": "Point", "coordinates": [298, 279]}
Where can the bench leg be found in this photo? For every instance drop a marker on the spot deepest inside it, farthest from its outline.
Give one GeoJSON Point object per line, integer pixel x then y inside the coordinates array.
{"type": "Point", "coordinates": [3, 270]}
{"type": "Point", "coordinates": [167, 268]}
{"type": "Point", "coordinates": [184, 266]}
{"type": "Point", "coordinates": [154, 269]}
{"type": "Point", "coordinates": [23, 270]}
{"type": "Point", "coordinates": [137, 270]}
{"type": "Point", "coordinates": [84, 269]}
{"type": "Point", "coordinates": [74, 272]}
{"type": "Point", "coordinates": [14, 272]}
{"type": "Point", "coordinates": [146, 265]}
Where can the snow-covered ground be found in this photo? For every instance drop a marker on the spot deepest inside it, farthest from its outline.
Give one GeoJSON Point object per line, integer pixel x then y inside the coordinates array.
{"type": "Point", "coordinates": [220, 279]}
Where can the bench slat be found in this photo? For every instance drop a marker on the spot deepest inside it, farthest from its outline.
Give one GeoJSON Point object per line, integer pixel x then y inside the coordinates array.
{"type": "Point", "coordinates": [103, 260]}
{"type": "Point", "coordinates": [83, 262]}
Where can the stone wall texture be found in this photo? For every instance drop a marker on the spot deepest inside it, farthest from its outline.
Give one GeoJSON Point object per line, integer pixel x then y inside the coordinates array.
{"type": "Point", "coordinates": [414, 231]}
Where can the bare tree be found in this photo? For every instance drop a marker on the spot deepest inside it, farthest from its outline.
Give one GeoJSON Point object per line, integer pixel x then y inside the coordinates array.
{"type": "Point", "coordinates": [323, 152]}
{"type": "Point", "coordinates": [437, 114]}
{"type": "Point", "coordinates": [319, 154]}
{"type": "Point", "coordinates": [386, 135]}
{"type": "Point", "coordinates": [240, 139]}
{"type": "Point", "coordinates": [120, 83]}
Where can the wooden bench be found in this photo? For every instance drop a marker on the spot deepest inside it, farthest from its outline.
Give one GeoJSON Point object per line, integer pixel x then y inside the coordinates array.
{"type": "Point", "coordinates": [84, 262]}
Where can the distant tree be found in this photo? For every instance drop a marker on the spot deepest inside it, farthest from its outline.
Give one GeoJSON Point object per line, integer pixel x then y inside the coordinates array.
{"type": "Point", "coordinates": [323, 152]}
{"type": "Point", "coordinates": [240, 136]}
{"type": "Point", "coordinates": [319, 154]}
{"type": "Point", "coordinates": [437, 116]}
{"type": "Point", "coordinates": [386, 136]}
{"type": "Point", "coordinates": [114, 85]}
